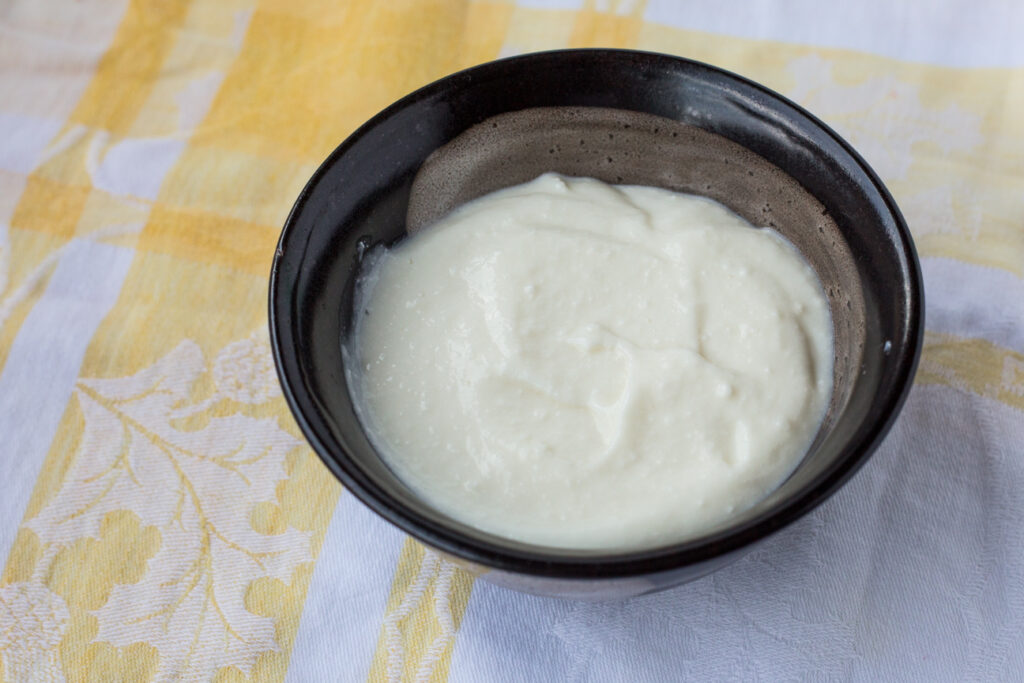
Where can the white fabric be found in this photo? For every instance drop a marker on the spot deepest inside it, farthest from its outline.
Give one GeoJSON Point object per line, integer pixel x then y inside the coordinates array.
{"type": "Point", "coordinates": [964, 298]}
{"type": "Point", "coordinates": [949, 32]}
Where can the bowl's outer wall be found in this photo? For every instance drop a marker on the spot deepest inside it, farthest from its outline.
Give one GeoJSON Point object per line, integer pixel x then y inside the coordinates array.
{"type": "Point", "coordinates": [361, 194]}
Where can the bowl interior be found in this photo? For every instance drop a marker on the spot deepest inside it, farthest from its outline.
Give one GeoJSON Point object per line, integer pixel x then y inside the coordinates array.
{"type": "Point", "coordinates": [622, 117]}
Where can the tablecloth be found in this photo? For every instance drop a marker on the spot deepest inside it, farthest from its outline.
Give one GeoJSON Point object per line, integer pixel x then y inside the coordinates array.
{"type": "Point", "coordinates": [161, 517]}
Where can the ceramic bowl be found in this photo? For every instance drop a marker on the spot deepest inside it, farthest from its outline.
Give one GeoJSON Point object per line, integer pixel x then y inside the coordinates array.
{"type": "Point", "coordinates": [622, 117]}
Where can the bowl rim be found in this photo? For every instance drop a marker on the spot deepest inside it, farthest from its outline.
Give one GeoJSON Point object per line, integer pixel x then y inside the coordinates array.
{"type": "Point", "coordinates": [555, 562]}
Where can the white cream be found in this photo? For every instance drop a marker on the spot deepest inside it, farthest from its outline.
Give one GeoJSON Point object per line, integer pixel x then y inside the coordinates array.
{"type": "Point", "coordinates": [575, 364]}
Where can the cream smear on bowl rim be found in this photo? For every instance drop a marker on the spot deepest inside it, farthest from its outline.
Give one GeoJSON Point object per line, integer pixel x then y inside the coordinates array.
{"type": "Point", "coordinates": [588, 366]}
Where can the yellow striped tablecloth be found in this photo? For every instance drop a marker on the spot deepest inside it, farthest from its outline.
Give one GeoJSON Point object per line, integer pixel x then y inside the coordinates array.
{"type": "Point", "coordinates": [161, 517]}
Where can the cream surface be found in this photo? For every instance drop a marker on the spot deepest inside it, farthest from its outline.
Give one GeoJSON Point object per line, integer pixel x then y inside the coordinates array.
{"type": "Point", "coordinates": [575, 364]}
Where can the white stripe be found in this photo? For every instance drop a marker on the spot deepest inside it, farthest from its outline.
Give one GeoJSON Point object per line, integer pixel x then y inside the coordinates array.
{"type": "Point", "coordinates": [985, 31]}
{"type": "Point", "coordinates": [25, 138]}
{"type": "Point", "coordinates": [974, 301]}
{"type": "Point", "coordinates": [507, 636]}
{"type": "Point", "coordinates": [345, 605]}
{"type": "Point", "coordinates": [43, 364]}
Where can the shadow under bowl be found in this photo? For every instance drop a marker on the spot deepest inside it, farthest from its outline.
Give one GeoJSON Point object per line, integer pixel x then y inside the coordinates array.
{"type": "Point", "coordinates": [622, 117]}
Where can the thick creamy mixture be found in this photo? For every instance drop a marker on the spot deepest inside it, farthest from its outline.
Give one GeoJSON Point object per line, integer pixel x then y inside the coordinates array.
{"type": "Point", "coordinates": [580, 365]}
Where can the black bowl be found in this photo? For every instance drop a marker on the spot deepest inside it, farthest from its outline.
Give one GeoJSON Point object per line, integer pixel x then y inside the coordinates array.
{"type": "Point", "coordinates": [620, 116]}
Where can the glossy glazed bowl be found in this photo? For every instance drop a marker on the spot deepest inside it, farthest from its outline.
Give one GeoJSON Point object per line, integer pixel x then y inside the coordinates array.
{"type": "Point", "coordinates": [625, 117]}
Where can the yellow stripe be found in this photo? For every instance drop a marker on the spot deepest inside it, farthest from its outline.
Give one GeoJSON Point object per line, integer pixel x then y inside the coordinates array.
{"type": "Point", "coordinates": [48, 206]}
{"type": "Point", "coordinates": [532, 30]}
{"type": "Point", "coordinates": [231, 183]}
{"type": "Point", "coordinates": [426, 592]}
{"type": "Point", "coordinates": [197, 58]}
{"type": "Point", "coordinates": [483, 35]}
{"type": "Point", "coordinates": [129, 69]}
{"type": "Point", "coordinates": [974, 365]}
{"type": "Point", "coordinates": [999, 245]}
{"type": "Point", "coordinates": [617, 26]}
{"type": "Point", "coordinates": [304, 80]}
{"type": "Point", "coordinates": [209, 238]}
